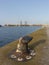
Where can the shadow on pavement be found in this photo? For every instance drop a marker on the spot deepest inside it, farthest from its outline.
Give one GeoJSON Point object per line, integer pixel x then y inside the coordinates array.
{"type": "Point", "coordinates": [33, 45]}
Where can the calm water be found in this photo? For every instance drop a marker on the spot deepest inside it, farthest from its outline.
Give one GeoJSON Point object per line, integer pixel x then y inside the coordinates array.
{"type": "Point", "coordinates": [9, 34]}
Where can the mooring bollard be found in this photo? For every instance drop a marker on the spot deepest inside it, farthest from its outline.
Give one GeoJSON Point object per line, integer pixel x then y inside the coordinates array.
{"type": "Point", "coordinates": [22, 46]}
{"type": "Point", "coordinates": [23, 52]}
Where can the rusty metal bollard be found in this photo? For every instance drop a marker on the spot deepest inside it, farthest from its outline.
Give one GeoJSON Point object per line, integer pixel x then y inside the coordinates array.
{"type": "Point", "coordinates": [23, 52]}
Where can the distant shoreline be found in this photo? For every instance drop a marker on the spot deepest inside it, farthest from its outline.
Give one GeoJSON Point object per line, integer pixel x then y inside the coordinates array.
{"type": "Point", "coordinates": [23, 25]}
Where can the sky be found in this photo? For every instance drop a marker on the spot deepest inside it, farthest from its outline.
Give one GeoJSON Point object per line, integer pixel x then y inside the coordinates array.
{"type": "Point", "coordinates": [32, 11]}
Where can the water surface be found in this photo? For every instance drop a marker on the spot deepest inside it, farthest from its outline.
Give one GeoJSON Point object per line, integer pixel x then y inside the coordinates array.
{"type": "Point", "coordinates": [9, 34]}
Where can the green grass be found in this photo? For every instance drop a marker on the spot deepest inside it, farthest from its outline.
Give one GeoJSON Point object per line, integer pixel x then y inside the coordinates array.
{"type": "Point", "coordinates": [38, 42]}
